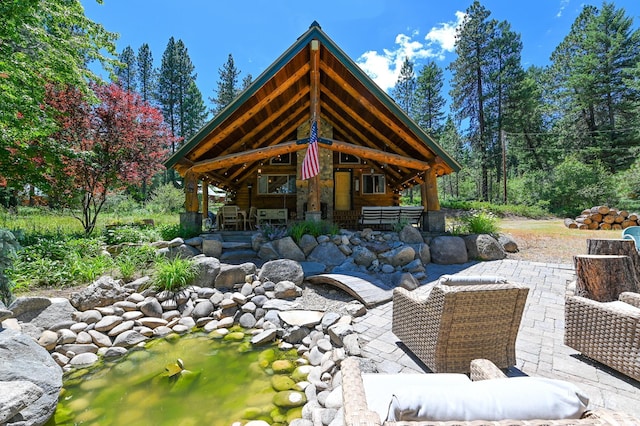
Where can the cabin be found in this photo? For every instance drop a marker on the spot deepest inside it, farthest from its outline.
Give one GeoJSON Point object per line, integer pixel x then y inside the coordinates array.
{"type": "Point", "coordinates": [368, 149]}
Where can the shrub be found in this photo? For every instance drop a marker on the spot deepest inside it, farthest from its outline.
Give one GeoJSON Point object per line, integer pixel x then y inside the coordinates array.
{"type": "Point", "coordinates": [478, 222]}
{"type": "Point", "coordinates": [170, 231]}
{"type": "Point", "coordinates": [271, 232]}
{"type": "Point", "coordinates": [166, 199]}
{"type": "Point", "coordinates": [174, 274]}
{"type": "Point", "coordinates": [131, 260]}
{"type": "Point", "coordinates": [312, 227]}
{"type": "Point", "coordinates": [128, 234]}
{"type": "Point", "coordinates": [398, 226]}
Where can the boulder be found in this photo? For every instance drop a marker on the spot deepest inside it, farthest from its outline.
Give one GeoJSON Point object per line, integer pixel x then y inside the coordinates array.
{"type": "Point", "coordinates": [288, 249]}
{"type": "Point", "coordinates": [447, 250]}
{"type": "Point", "coordinates": [230, 275]}
{"type": "Point", "coordinates": [410, 235]}
{"type": "Point", "coordinates": [287, 290]}
{"type": "Point", "coordinates": [25, 308]}
{"type": "Point", "coordinates": [184, 251]}
{"type": "Point", "coordinates": [267, 251]}
{"type": "Point", "coordinates": [23, 359]}
{"type": "Point", "coordinates": [104, 291]}
{"type": "Point", "coordinates": [327, 253]}
{"type": "Point", "coordinates": [363, 256]}
{"type": "Point", "coordinates": [399, 256]}
{"type": "Point", "coordinates": [16, 395]}
{"type": "Point", "coordinates": [508, 243]}
{"type": "Point", "coordinates": [307, 243]}
{"type": "Point", "coordinates": [484, 247]}
{"type": "Point", "coordinates": [212, 248]}
{"type": "Point", "coordinates": [282, 270]}
{"type": "Point", "coordinates": [208, 270]}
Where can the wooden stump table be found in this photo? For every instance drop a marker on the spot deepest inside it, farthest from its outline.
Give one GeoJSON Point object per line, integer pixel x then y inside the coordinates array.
{"type": "Point", "coordinates": [604, 277]}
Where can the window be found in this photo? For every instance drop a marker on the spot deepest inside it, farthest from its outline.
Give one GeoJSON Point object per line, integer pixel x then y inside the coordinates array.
{"type": "Point", "coordinates": [373, 184]}
{"type": "Point", "coordinates": [348, 159]}
{"type": "Point", "coordinates": [281, 159]}
{"type": "Point", "coordinates": [276, 184]}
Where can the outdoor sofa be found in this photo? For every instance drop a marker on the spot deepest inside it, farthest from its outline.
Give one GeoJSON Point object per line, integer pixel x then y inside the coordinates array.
{"type": "Point", "coordinates": [364, 401]}
{"type": "Point", "coordinates": [607, 332]}
{"type": "Point", "coordinates": [387, 216]}
{"type": "Point", "coordinates": [463, 318]}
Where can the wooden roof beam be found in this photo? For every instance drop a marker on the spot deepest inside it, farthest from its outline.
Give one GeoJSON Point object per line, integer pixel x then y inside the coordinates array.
{"type": "Point", "coordinates": [376, 155]}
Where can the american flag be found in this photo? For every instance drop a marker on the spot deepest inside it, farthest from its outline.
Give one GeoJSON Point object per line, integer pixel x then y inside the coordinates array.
{"type": "Point", "coordinates": [310, 164]}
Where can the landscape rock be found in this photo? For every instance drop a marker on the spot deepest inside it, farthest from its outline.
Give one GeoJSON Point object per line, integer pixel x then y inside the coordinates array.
{"type": "Point", "coordinates": [23, 359]}
{"type": "Point", "coordinates": [447, 250]}
{"type": "Point", "coordinates": [399, 256]}
{"type": "Point", "coordinates": [282, 270]}
{"type": "Point", "coordinates": [363, 256]}
{"type": "Point", "coordinates": [208, 270]}
{"type": "Point", "coordinates": [104, 291]}
{"type": "Point", "coordinates": [508, 243]}
{"type": "Point", "coordinates": [484, 247]}
{"type": "Point", "coordinates": [212, 248]}
{"type": "Point", "coordinates": [410, 235]}
{"type": "Point", "coordinates": [328, 254]}
{"type": "Point", "coordinates": [16, 395]}
{"type": "Point", "coordinates": [28, 307]}
{"type": "Point", "coordinates": [307, 243]}
{"type": "Point", "coordinates": [288, 249]}
{"type": "Point", "coordinates": [231, 275]}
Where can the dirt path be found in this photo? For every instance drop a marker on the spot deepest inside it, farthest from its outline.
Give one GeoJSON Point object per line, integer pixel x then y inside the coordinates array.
{"type": "Point", "coordinates": [549, 240]}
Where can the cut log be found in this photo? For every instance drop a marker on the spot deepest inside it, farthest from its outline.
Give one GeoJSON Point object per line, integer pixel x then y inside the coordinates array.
{"type": "Point", "coordinates": [586, 212]}
{"type": "Point", "coordinates": [600, 209]}
{"type": "Point", "coordinates": [623, 213]}
{"type": "Point", "coordinates": [619, 247]}
{"type": "Point", "coordinates": [627, 223]}
{"type": "Point", "coordinates": [609, 218]}
{"type": "Point", "coordinates": [618, 219]}
{"type": "Point", "coordinates": [596, 217]}
{"type": "Point", "coordinates": [605, 226]}
{"type": "Point", "coordinates": [584, 219]}
{"type": "Point", "coordinates": [570, 223]}
{"type": "Point", "coordinates": [633, 216]}
{"type": "Point", "coordinates": [616, 227]}
{"type": "Point", "coordinates": [604, 277]}
{"type": "Point", "coordinates": [593, 226]}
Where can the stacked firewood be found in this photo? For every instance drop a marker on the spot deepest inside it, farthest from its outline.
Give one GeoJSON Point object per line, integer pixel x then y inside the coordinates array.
{"type": "Point", "coordinates": [603, 217]}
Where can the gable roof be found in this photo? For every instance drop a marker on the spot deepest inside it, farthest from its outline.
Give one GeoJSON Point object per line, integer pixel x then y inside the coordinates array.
{"type": "Point", "coordinates": [267, 114]}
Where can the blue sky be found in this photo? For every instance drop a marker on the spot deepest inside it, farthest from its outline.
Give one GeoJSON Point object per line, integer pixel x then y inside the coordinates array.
{"type": "Point", "coordinates": [377, 34]}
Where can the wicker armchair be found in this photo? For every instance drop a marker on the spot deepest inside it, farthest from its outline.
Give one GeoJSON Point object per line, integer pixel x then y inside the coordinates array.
{"type": "Point", "coordinates": [607, 332]}
{"type": "Point", "coordinates": [358, 413]}
{"type": "Point", "coordinates": [456, 324]}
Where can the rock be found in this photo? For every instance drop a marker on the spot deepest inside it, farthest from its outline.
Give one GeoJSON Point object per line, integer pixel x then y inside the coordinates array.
{"type": "Point", "coordinates": [23, 359]}
{"type": "Point", "coordinates": [338, 332]}
{"type": "Point", "coordinates": [48, 339]}
{"type": "Point", "coordinates": [84, 360]}
{"type": "Point", "coordinates": [312, 268]}
{"type": "Point", "coordinates": [307, 243]}
{"type": "Point", "coordinates": [202, 309]}
{"type": "Point", "coordinates": [91, 316]}
{"type": "Point", "coordinates": [423, 253]}
{"type": "Point", "coordinates": [231, 275]}
{"type": "Point", "coordinates": [194, 242]}
{"type": "Point", "coordinates": [16, 395]}
{"type": "Point", "coordinates": [399, 256]}
{"type": "Point", "coordinates": [267, 251]}
{"type": "Point", "coordinates": [447, 250]}
{"type": "Point", "coordinates": [26, 308]}
{"type": "Point", "coordinates": [114, 352]}
{"type": "Point", "coordinates": [280, 382]}
{"type": "Point", "coordinates": [363, 256]}
{"type": "Point", "coordinates": [410, 235]}
{"type": "Point", "coordinates": [508, 243]}
{"type": "Point", "coordinates": [282, 270]}
{"type": "Point", "coordinates": [184, 251]}
{"type": "Point", "coordinates": [79, 348]}
{"type": "Point", "coordinates": [107, 323]}
{"type": "Point", "coordinates": [328, 254]}
{"type": "Point", "coordinates": [288, 249]}
{"type": "Point", "coordinates": [212, 248]}
{"type": "Point", "coordinates": [264, 337]}
{"type": "Point", "coordinates": [121, 328]}
{"type": "Point", "coordinates": [289, 399]}
{"type": "Point", "coordinates": [355, 309]}
{"type": "Point", "coordinates": [5, 313]}
{"type": "Point", "coordinates": [329, 319]}
{"type": "Point", "coordinates": [137, 284]}
{"type": "Point", "coordinates": [287, 290]}
{"type": "Point", "coordinates": [302, 318]}
{"type": "Point", "coordinates": [151, 307]}
{"type": "Point", "coordinates": [128, 339]}
{"type": "Point", "coordinates": [408, 281]}
{"type": "Point", "coordinates": [176, 242]}
{"type": "Point", "coordinates": [484, 247]}
{"type": "Point", "coordinates": [99, 339]}
{"type": "Point", "coordinates": [104, 291]}
{"type": "Point", "coordinates": [208, 270]}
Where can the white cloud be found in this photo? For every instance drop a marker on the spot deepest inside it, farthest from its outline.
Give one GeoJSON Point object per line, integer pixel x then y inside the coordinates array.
{"type": "Point", "coordinates": [563, 6]}
{"type": "Point", "coordinates": [384, 67]}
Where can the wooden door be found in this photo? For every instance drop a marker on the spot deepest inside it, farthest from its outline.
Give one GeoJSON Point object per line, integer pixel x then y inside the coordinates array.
{"type": "Point", "coordinates": [342, 191]}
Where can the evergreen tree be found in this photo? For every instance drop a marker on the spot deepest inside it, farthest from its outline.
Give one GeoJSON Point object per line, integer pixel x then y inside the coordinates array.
{"type": "Point", "coordinates": [126, 73]}
{"type": "Point", "coordinates": [428, 106]}
{"type": "Point", "coordinates": [195, 111]}
{"type": "Point", "coordinates": [227, 86]}
{"type": "Point", "coordinates": [146, 80]}
{"type": "Point", "coordinates": [246, 82]}
{"type": "Point", "coordinates": [405, 88]}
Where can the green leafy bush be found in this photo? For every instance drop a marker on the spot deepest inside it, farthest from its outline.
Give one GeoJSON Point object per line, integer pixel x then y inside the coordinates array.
{"type": "Point", "coordinates": [476, 222]}
{"type": "Point", "coordinates": [174, 274]}
{"type": "Point", "coordinates": [312, 227]}
{"type": "Point", "coordinates": [133, 261]}
{"type": "Point", "coordinates": [166, 199]}
{"type": "Point", "coordinates": [128, 234]}
{"type": "Point", "coordinates": [273, 232]}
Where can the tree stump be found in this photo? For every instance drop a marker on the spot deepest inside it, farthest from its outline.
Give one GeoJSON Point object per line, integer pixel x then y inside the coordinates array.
{"type": "Point", "coordinates": [617, 247]}
{"type": "Point", "coordinates": [603, 277]}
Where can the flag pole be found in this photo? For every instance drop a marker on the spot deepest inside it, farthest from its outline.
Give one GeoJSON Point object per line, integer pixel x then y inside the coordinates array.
{"type": "Point", "coordinates": [313, 200]}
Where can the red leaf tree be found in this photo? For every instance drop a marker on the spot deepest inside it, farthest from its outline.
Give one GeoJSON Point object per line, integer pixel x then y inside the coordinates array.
{"type": "Point", "coordinates": [119, 141]}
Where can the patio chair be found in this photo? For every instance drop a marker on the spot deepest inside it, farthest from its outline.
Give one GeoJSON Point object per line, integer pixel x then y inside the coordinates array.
{"type": "Point", "coordinates": [230, 217]}
{"type": "Point", "coordinates": [632, 233]}
{"type": "Point", "coordinates": [367, 399]}
{"type": "Point", "coordinates": [606, 332]}
{"type": "Point", "coordinates": [252, 219]}
{"type": "Point", "coordinates": [463, 318]}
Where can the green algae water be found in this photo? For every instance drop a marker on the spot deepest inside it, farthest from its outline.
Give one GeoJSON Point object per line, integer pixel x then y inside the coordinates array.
{"type": "Point", "coordinates": [189, 380]}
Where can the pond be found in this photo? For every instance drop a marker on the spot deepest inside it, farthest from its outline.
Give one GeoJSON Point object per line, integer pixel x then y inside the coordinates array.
{"type": "Point", "coordinates": [191, 380]}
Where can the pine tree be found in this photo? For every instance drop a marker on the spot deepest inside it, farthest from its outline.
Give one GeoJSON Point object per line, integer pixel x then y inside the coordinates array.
{"type": "Point", "coordinates": [126, 74]}
{"type": "Point", "coordinates": [428, 106]}
{"type": "Point", "coordinates": [195, 111]}
{"type": "Point", "coordinates": [227, 86]}
{"type": "Point", "coordinates": [146, 80]}
{"type": "Point", "coordinates": [405, 88]}
{"type": "Point", "coordinates": [246, 82]}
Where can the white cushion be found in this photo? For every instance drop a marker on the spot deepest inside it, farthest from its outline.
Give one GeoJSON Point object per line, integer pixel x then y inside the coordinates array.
{"type": "Point", "coordinates": [519, 398]}
{"type": "Point", "coordinates": [380, 388]}
{"type": "Point", "coordinates": [471, 279]}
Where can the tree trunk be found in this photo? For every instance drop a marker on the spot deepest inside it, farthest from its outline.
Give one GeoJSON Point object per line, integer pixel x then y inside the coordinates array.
{"type": "Point", "coordinates": [604, 277]}
{"type": "Point", "coordinates": [618, 247]}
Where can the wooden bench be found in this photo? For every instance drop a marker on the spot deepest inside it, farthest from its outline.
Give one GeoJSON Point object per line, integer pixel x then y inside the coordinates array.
{"type": "Point", "coordinates": [378, 216]}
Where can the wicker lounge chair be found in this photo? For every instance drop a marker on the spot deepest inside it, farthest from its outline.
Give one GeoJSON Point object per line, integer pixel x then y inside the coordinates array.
{"type": "Point", "coordinates": [357, 412]}
{"type": "Point", "coordinates": [460, 322]}
{"type": "Point", "coordinates": [607, 332]}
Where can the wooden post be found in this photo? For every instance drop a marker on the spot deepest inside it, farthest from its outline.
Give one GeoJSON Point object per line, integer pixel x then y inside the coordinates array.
{"type": "Point", "coordinates": [205, 199]}
{"type": "Point", "coordinates": [191, 203]}
{"type": "Point", "coordinates": [431, 184]}
{"type": "Point", "coordinates": [313, 200]}
{"type": "Point", "coordinates": [603, 277]}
